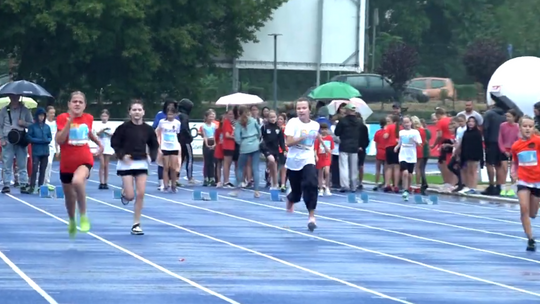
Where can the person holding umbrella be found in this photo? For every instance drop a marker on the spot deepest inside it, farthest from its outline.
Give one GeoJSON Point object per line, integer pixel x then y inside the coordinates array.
{"type": "Point", "coordinates": [14, 119]}
{"type": "Point", "coordinates": [73, 135]}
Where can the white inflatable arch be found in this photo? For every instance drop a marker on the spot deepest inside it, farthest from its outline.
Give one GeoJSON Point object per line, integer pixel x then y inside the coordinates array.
{"type": "Point", "coordinates": [519, 80]}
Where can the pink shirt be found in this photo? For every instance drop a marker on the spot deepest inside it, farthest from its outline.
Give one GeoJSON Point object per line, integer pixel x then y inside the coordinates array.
{"type": "Point", "coordinates": [508, 135]}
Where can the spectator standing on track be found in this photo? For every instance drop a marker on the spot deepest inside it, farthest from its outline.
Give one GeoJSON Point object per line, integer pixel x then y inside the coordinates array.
{"type": "Point", "coordinates": [169, 104]}
{"type": "Point", "coordinates": [230, 151]}
{"type": "Point", "coordinates": [364, 143]}
{"type": "Point", "coordinates": [247, 134]}
{"type": "Point", "coordinates": [471, 156]}
{"type": "Point", "coordinates": [105, 133]}
{"type": "Point", "coordinates": [508, 135]}
{"type": "Point", "coordinates": [422, 154]}
{"type": "Point", "coordinates": [391, 173]}
{"type": "Point", "coordinates": [408, 140]}
{"type": "Point", "coordinates": [209, 146]}
{"type": "Point", "coordinates": [444, 135]}
{"type": "Point", "coordinates": [469, 111]}
{"type": "Point", "coordinates": [167, 134]}
{"type": "Point", "coordinates": [54, 149]}
{"type": "Point", "coordinates": [185, 137]}
{"type": "Point", "coordinates": [526, 169]}
{"type": "Point", "coordinates": [349, 130]}
{"type": "Point", "coordinates": [272, 143]}
{"type": "Point", "coordinates": [39, 135]}
{"type": "Point", "coordinates": [380, 156]}
{"type": "Point", "coordinates": [323, 159]}
{"type": "Point", "coordinates": [493, 118]}
{"type": "Point", "coordinates": [14, 119]}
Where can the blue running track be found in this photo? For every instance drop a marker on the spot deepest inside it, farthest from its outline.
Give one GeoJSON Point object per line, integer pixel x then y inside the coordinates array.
{"type": "Point", "coordinates": [247, 250]}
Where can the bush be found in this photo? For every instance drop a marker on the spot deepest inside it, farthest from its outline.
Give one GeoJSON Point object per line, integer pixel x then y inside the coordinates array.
{"type": "Point", "coordinates": [466, 91]}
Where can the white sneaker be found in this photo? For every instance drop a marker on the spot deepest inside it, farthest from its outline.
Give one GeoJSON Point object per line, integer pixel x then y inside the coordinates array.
{"type": "Point", "coordinates": [327, 192]}
{"type": "Point", "coordinates": [321, 192]}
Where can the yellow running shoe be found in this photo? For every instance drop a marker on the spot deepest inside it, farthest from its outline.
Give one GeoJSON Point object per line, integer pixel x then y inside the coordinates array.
{"type": "Point", "coordinates": [72, 228]}
{"type": "Point", "coordinates": [85, 223]}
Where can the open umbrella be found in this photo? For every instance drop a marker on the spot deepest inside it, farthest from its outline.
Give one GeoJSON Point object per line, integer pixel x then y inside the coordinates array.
{"type": "Point", "coordinates": [238, 99]}
{"type": "Point", "coordinates": [27, 101]}
{"type": "Point", "coordinates": [334, 90]}
{"type": "Point", "coordinates": [24, 88]}
{"type": "Point", "coordinates": [361, 107]}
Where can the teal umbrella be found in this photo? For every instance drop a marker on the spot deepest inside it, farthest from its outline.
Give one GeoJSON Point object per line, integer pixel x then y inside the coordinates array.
{"type": "Point", "coordinates": [334, 90]}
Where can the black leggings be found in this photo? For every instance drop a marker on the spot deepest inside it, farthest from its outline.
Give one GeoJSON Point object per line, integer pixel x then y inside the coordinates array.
{"type": "Point", "coordinates": [334, 171]}
{"type": "Point", "coordinates": [187, 158]}
{"type": "Point", "coordinates": [39, 163]}
{"type": "Point", "coordinates": [304, 183]}
{"type": "Point", "coordinates": [422, 164]}
{"type": "Point", "coordinates": [456, 171]}
{"type": "Point", "coordinates": [208, 156]}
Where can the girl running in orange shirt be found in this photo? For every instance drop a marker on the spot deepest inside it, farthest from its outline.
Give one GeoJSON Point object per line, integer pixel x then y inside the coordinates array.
{"type": "Point", "coordinates": [526, 170]}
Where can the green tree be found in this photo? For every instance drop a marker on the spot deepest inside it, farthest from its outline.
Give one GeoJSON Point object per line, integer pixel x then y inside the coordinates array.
{"type": "Point", "coordinates": [398, 64]}
{"type": "Point", "coordinates": [123, 49]}
{"type": "Point", "coordinates": [482, 58]}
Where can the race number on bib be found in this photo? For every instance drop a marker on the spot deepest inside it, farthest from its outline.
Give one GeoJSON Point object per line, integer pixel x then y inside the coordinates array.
{"type": "Point", "coordinates": [527, 158]}
{"type": "Point", "coordinates": [169, 137]}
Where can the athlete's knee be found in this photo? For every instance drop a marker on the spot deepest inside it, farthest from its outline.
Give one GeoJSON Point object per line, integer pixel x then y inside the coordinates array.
{"type": "Point", "coordinates": [129, 195]}
{"type": "Point", "coordinates": [78, 180]}
{"type": "Point", "coordinates": [140, 195]}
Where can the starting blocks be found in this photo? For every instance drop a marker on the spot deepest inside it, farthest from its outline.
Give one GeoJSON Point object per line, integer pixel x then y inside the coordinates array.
{"type": "Point", "coordinates": [352, 198]}
{"type": "Point", "coordinates": [198, 195]}
{"type": "Point", "coordinates": [274, 195]}
{"type": "Point", "coordinates": [430, 200]}
{"type": "Point", "coordinates": [46, 192]}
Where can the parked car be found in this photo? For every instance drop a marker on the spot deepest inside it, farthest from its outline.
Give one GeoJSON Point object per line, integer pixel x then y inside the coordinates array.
{"type": "Point", "coordinates": [4, 78]}
{"type": "Point", "coordinates": [433, 87]}
{"type": "Point", "coordinates": [376, 88]}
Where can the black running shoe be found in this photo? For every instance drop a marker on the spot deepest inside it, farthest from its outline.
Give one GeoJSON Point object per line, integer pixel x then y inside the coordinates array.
{"type": "Point", "coordinates": [531, 246]}
{"type": "Point", "coordinates": [137, 230]}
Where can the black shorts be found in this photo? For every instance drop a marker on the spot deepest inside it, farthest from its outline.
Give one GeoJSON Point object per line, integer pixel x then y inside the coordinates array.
{"type": "Point", "coordinates": [392, 158]}
{"type": "Point", "coordinates": [170, 153]}
{"type": "Point", "coordinates": [534, 191]}
{"type": "Point", "coordinates": [405, 166]}
{"type": "Point", "coordinates": [132, 172]}
{"type": "Point", "coordinates": [67, 178]}
{"type": "Point", "coordinates": [361, 158]}
{"type": "Point", "coordinates": [494, 156]}
{"type": "Point", "coordinates": [236, 154]}
{"type": "Point", "coordinates": [282, 159]}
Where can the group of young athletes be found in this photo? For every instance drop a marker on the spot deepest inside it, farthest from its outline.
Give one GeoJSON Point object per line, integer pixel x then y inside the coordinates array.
{"type": "Point", "coordinates": [306, 144]}
{"type": "Point", "coordinates": [400, 142]}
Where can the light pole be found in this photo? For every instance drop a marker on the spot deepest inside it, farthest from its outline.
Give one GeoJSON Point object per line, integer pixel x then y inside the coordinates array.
{"type": "Point", "coordinates": [275, 68]}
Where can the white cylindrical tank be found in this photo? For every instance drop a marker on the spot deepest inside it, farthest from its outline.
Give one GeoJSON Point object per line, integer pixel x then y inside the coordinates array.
{"type": "Point", "coordinates": [519, 80]}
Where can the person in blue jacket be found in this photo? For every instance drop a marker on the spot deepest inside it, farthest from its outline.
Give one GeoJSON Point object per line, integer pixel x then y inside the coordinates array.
{"type": "Point", "coordinates": [39, 136]}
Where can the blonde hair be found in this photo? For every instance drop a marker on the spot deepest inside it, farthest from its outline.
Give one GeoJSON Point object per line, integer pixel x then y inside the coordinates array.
{"type": "Point", "coordinates": [525, 117]}
{"type": "Point", "coordinates": [416, 122]}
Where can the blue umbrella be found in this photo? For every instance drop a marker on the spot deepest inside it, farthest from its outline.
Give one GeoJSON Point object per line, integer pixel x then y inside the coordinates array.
{"type": "Point", "coordinates": [24, 88]}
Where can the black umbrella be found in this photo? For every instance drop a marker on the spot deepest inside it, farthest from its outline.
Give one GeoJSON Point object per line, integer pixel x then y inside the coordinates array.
{"type": "Point", "coordinates": [505, 103]}
{"type": "Point", "coordinates": [24, 88]}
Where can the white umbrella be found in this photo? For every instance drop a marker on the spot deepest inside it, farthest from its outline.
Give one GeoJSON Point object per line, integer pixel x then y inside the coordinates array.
{"type": "Point", "coordinates": [361, 107]}
{"type": "Point", "coordinates": [238, 99]}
